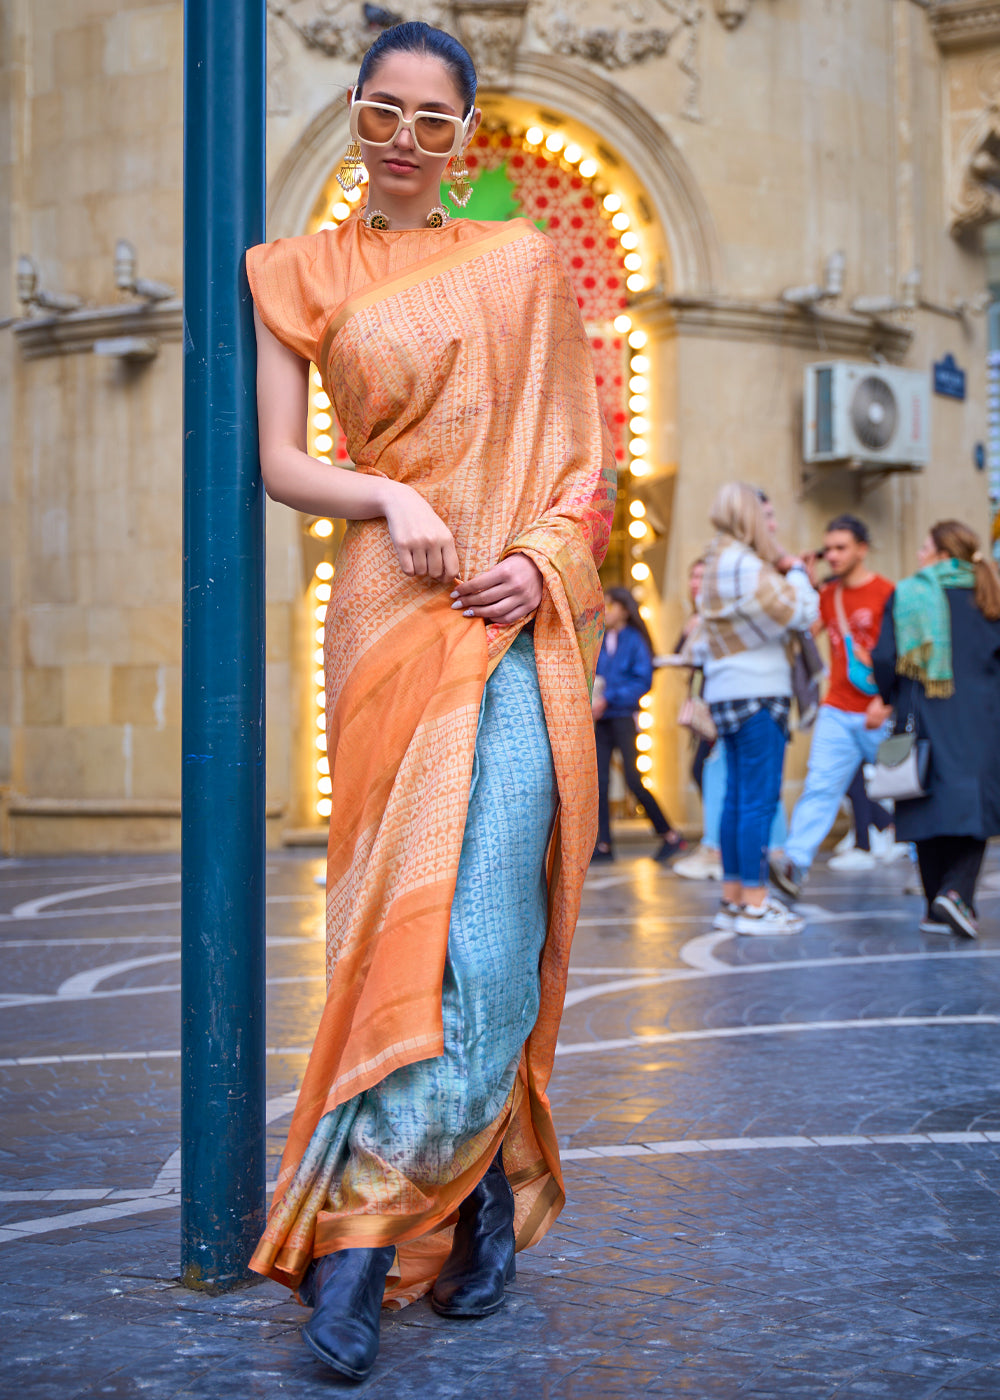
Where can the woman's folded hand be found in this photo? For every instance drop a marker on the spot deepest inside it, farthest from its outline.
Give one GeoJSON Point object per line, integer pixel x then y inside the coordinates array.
{"type": "Point", "coordinates": [506, 593]}
{"type": "Point", "coordinates": [424, 544]}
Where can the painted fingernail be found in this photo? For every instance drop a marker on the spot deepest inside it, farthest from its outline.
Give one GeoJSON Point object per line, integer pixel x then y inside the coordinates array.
{"type": "Point", "coordinates": [455, 605]}
{"type": "Point", "coordinates": [469, 612]}
{"type": "Point", "coordinates": [455, 594]}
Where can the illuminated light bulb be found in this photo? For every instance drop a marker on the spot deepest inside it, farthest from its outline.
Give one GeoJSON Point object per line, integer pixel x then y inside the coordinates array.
{"type": "Point", "coordinates": [341, 210]}
{"type": "Point", "coordinates": [323, 442]}
{"type": "Point", "coordinates": [322, 421]}
{"type": "Point", "coordinates": [572, 155]}
{"type": "Point", "coordinates": [637, 403]}
{"type": "Point", "coordinates": [637, 509]}
{"type": "Point", "coordinates": [639, 425]}
{"type": "Point", "coordinates": [645, 720]}
{"type": "Point", "coordinates": [319, 679]}
{"type": "Point", "coordinates": [352, 196]}
{"type": "Point", "coordinates": [316, 379]}
{"type": "Point", "coordinates": [324, 806]}
{"type": "Point", "coordinates": [639, 467]}
{"type": "Point", "coordinates": [637, 339]}
{"type": "Point", "coordinates": [640, 572]}
{"type": "Point", "coordinates": [638, 447]}
{"type": "Point", "coordinates": [320, 613]}
{"type": "Point", "coordinates": [635, 282]}
{"type": "Point", "coordinates": [621, 221]}
{"type": "Point", "coordinates": [325, 786]}
{"type": "Point", "coordinates": [646, 613]}
{"type": "Point", "coordinates": [640, 364]}
{"type": "Point", "coordinates": [323, 457]}
{"type": "Point", "coordinates": [534, 135]}
{"type": "Point", "coordinates": [319, 634]}
{"type": "Point", "coordinates": [321, 400]}
{"type": "Point", "coordinates": [318, 656]}
{"type": "Point", "coordinates": [323, 529]}
{"type": "Point", "coordinates": [633, 262]}
{"type": "Point", "coordinates": [321, 721]}
{"type": "Point", "coordinates": [588, 168]}
{"type": "Point", "coordinates": [327, 224]}
{"type": "Point", "coordinates": [324, 569]}
{"type": "Point", "coordinates": [646, 702]}
{"type": "Point", "coordinates": [629, 241]}
{"type": "Point", "coordinates": [321, 699]}
{"type": "Point", "coordinates": [638, 529]}
{"type": "Point", "coordinates": [322, 765]}
{"type": "Point", "coordinates": [644, 763]}
{"type": "Point", "coordinates": [323, 591]}
{"type": "Point", "coordinates": [638, 384]}
{"type": "Point", "coordinates": [612, 202]}
{"type": "Point", "coordinates": [320, 742]}
{"type": "Point", "coordinates": [555, 142]}
{"type": "Point", "coordinates": [643, 743]}
{"type": "Point", "coordinates": [623, 324]}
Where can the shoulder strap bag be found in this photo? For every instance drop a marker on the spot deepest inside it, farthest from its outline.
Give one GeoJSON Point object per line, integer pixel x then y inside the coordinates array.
{"type": "Point", "coordinates": [862, 677]}
{"type": "Point", "coordinates": [902, 764]}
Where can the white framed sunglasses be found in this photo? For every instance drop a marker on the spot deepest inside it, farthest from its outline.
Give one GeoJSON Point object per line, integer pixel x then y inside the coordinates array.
{"type": "Point", "coordinates": [434, 133]}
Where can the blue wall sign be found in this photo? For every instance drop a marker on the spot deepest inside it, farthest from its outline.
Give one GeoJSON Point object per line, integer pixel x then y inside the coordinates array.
{"type": "Point", "coordinates": [949, 380]}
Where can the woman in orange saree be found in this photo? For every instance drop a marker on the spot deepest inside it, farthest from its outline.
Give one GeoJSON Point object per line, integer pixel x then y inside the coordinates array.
{"type": "Point", "coordinates": [461, 639]}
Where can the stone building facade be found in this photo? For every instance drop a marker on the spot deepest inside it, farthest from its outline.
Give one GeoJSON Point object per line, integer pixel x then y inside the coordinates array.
{"type": "Point", "coordinates": [742, 188]}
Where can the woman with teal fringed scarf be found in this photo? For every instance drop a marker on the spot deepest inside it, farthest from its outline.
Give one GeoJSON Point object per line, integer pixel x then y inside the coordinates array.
{"type": "Point", "coordinates": [938, 659]}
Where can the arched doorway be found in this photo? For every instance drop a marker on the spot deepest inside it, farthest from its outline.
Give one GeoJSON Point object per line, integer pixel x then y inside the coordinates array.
{"type": "Point", "coordinates": [563, 175]}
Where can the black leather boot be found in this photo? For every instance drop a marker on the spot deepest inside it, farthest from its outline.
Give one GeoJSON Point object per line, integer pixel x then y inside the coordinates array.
{"type": "Point", "coordinates": [345, 1291]}
{"type": "Point", "coordinates": [481, 1261]}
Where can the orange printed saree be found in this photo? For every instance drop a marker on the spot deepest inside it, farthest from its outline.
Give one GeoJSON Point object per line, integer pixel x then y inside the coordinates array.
{"type": "Point", "coordinates": [457, 362]}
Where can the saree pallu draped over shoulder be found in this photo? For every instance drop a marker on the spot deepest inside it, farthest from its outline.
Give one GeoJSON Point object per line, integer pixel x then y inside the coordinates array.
{"type": "Point", "coordinates": [457, 362]}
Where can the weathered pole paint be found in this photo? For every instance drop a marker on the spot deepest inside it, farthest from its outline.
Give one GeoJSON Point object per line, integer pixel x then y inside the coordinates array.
{"type": "Point", "coordinates": [222, 841]}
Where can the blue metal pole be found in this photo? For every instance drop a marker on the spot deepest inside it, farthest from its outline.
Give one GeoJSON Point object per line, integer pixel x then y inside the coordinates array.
{"type": "Point", "coordinates": [222, 835]}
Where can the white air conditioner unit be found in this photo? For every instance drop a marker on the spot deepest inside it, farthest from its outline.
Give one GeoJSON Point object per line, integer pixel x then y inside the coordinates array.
{"type": "Point", "coordinates": [867, 414]}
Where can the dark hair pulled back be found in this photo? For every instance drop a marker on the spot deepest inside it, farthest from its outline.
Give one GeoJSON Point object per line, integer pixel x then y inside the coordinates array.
{"type": "Point", "coordinates": [625, 598]}
{"type": "Point", "coordinates": [416, 37]}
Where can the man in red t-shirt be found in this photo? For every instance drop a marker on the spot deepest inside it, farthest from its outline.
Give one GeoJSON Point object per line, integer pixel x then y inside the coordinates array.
{"type": "Point", "coordinates": [852, 720]}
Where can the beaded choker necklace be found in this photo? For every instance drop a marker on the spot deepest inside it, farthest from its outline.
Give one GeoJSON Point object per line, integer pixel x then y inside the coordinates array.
{"type": "Point", "coordinates": [437, 218]}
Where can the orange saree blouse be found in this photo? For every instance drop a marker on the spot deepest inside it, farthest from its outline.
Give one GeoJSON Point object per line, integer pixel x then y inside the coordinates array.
{"type": "Point", "coordinates": [457, 362]}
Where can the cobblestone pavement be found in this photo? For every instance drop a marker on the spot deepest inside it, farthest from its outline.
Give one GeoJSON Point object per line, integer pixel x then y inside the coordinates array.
{"type": "Point", "coordinates": [782, 1155]}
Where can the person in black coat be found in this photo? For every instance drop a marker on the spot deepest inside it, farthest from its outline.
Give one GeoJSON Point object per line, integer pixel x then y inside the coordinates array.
{"type": "Point", "coordinates": [938, 659]}
{"type": "Point", "coordinates": [624, 676]}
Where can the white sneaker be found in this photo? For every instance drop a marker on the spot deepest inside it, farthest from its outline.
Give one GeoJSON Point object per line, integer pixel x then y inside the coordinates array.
{"type": "Point", "coordinates": [726, 916]}
{"type": "Point", "coordinates": [770, 919]}
{"type": "Point", "coordinates": [853, 860]}
{"type": "Point", "coordinates": [702, 864]}
{"type": "Point", "coordinates": [885, 847]}
{"type": "Point", "coordinates": [845, 844]}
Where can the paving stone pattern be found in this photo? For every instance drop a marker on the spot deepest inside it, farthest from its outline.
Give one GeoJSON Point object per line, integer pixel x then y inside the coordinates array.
{"type": "Point", "coordinates": [782, 1155]}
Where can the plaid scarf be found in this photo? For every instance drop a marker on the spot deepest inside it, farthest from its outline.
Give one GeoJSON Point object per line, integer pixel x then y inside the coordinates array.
{"type": "Point", "coordinates": [923, 624]}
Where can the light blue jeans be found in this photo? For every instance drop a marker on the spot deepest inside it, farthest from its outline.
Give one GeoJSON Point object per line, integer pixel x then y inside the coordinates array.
{"type": "Point", "coordinates": [840, 744]}
{"type": "Point", "coordinates": [713, 795]}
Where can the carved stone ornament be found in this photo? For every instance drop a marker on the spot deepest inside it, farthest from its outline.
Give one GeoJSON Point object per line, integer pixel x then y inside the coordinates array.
{"type": "Point", "coordinates": [657, 28]}
{"type": "Point", "coordinates": [965, 24]}
{"type": "Point", "coordinates": [493, 29]}
{"type": "Point", "coordinates": [732, 12]}
{"type": "Point", "coordinates": [976, 184]}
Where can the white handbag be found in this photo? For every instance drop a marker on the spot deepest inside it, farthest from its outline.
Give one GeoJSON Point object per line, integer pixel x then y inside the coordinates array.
{"type": "Point", "coordinates": [901, 767]}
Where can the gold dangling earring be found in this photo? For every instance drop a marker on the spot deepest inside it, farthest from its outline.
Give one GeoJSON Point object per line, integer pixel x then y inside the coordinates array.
{"type": "Point", "coordinates": [461, 186]}
{"type": "Point", "coordinates": [350, 170]}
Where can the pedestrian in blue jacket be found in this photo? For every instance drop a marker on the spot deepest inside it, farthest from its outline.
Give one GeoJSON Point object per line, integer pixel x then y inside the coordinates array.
{"type": "Point", "coordinates": [624, 676]}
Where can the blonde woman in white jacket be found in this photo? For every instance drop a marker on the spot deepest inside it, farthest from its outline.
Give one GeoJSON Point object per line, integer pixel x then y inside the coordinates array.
{"type": "Point", "coordinates": [752, 596]}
